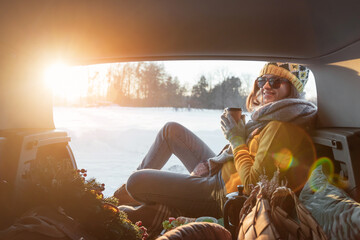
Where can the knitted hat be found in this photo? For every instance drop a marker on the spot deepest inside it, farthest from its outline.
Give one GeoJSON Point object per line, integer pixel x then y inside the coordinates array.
{"type": "Point", "coordinates": [297, 74]}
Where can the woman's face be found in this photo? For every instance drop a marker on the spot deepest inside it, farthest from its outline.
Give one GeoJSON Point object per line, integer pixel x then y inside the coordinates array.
{"type": "Point", "coordinates": [271, 95]}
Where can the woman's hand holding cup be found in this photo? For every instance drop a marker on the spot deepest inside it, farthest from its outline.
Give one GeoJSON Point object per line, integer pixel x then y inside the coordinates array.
{"type": "Point", "coordinates": [233, 126]}
{"type": "Point", "coordinates": [236, 113]}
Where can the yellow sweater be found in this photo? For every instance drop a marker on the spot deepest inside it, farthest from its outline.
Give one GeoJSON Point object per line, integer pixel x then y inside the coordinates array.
{"type": "Point", "coordinates": [279, 144]}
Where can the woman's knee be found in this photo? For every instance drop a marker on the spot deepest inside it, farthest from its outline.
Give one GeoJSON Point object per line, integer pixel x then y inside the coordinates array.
{"type": "Point", "coordinates": [134, 181]}
{"type": "Point", "coordinates": [139, 181]}
{"type": "Point", "coordinates": [171, 129]}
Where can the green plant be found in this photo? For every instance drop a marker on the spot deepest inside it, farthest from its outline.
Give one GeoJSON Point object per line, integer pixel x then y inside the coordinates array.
{"type": "Point", "coordinates": [53, 182]}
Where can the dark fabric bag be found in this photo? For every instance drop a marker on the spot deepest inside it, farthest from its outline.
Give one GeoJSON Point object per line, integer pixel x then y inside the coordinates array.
{"type": "Point", "coordinates": [45, 223]}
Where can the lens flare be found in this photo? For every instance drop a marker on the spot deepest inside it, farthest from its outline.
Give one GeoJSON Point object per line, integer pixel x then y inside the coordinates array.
{"type": "Point", "coordinates": [325, 162]}
{"type": "Point", "coordinates": [284, 159]}
{"type": "Point", "coordinates": [327, 165]}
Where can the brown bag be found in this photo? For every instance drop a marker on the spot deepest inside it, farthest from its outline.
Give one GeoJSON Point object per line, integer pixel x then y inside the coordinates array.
{"type": "Point", "coordinates": [280, 217]}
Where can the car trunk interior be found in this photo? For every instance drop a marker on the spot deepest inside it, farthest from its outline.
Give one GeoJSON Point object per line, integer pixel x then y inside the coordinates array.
{"type": "Point", "coordinates": [324, 35]}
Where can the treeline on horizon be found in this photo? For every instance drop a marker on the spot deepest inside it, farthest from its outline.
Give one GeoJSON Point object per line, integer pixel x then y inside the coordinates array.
{"type": "Point", "coordinates": [147, 84]}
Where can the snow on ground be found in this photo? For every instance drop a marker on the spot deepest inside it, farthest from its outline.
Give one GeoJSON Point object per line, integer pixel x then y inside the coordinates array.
{"type": "Point", "coordinates": [111, 141]}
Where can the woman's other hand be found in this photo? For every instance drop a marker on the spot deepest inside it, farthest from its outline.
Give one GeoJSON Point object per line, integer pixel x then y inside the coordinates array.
{"type": "Point", "coordinates": [233, 132]}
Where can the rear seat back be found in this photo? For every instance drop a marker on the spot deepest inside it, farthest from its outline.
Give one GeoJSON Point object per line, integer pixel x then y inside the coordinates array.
{"type": "Point", "coordinates": [342, 146]}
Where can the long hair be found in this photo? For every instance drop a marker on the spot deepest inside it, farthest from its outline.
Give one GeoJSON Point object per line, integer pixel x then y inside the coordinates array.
{"type": "Point", "coordinates": [254, 98]}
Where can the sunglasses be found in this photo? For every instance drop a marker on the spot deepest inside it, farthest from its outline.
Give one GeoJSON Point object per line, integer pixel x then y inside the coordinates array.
{"type": "Point", "coordinates": [274, 82]}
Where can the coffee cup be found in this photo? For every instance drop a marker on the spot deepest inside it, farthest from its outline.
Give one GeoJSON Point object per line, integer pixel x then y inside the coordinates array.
{"type": "Point", "coordinates": [236, 113]}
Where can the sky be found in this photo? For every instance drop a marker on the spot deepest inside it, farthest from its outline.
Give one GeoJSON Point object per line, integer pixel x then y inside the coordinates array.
{"type": "Point", "coordinates": [191, 71]}
{"type": "Point", "coordinates": [72, 81]}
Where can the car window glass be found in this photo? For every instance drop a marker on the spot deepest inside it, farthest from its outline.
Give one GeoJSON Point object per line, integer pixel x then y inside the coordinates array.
{"type": "Point", "coordinates": [113, 112]}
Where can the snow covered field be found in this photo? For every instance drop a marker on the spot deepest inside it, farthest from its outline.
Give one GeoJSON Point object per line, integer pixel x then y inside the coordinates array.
{"type": "Point", "coordinates": [111, 141]}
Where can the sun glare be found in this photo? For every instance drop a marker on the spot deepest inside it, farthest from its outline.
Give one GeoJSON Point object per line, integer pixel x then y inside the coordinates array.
{"type": "Point", "coordinates": [69, 83]}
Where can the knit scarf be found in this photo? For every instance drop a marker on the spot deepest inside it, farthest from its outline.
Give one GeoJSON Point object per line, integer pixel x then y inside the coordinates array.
{"type": "Point", "coordinates": [296, 111]}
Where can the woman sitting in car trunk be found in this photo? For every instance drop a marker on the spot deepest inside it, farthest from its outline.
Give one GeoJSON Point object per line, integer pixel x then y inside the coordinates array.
{"type": "Point", "coordinates": [275, 139]}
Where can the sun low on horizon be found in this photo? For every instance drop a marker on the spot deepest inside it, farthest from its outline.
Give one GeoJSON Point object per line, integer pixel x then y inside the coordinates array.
{"type": "Point", "coordinates": [71, 84]}
{"type": "Point", "coordinates": [65, 81]}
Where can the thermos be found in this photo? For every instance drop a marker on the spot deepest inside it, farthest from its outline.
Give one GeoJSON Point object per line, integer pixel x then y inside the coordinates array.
{"type": "Point", "coordinates": [232, 208]}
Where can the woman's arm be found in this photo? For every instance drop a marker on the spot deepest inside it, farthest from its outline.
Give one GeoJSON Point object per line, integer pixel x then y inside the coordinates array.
{"type": "Point", "coordinates": [278, 143]}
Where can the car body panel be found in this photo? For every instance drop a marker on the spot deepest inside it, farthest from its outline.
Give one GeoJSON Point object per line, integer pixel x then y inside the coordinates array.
{"type": "Point", "coordinates": [89, 31]}
{"type": "Point", "coordinates": [323, 34]}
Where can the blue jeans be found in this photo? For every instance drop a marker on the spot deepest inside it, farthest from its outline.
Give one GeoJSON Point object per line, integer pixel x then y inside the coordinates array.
{"type": "Point", "coordinates": [194, 196]}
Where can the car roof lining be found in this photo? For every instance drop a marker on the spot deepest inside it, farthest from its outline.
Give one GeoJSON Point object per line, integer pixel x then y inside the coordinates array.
{"type": "Point", "coordinates": [85, 32]}
{"type": "Point", "coordinates": [317, 33]}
